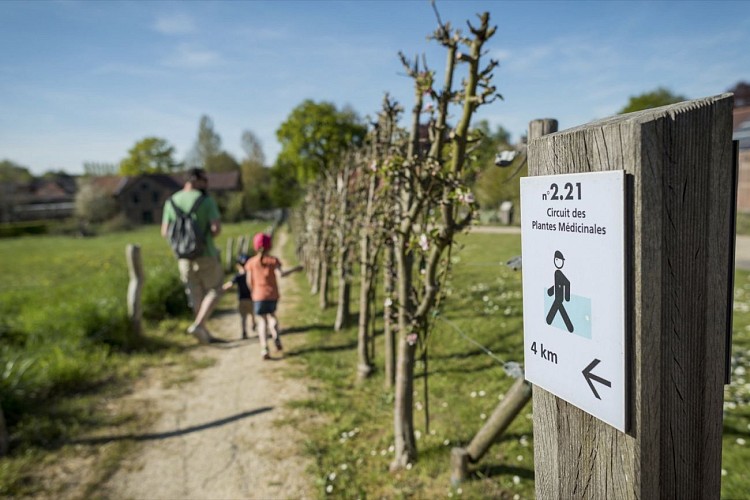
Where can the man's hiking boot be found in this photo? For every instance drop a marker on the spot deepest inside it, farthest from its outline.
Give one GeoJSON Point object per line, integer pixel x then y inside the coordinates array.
{"type": "Point", "coordinates": [277, 342]}
{"type": "Point", "coordinates": [265, 354]}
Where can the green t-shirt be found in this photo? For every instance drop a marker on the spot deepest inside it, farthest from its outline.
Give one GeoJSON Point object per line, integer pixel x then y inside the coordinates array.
{"type": "Point", "coordinates": [204, 214]}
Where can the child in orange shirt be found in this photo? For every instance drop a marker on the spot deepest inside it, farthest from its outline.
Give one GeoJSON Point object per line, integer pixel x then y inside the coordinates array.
{"type": "Point", "coordinates": [261, 279]}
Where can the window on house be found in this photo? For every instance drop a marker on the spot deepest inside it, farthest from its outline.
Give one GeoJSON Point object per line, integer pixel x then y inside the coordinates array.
{"type": "Point", "coordinates": [135, 199]}
{"type": "Point", "coordinates": [155, 197]}
{"type": "Point", "coordinates": [147, 217]}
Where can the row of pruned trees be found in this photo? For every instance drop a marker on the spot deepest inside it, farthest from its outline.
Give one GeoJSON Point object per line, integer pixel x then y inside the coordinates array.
{"type": "Point", "coordinates": [394, 204]}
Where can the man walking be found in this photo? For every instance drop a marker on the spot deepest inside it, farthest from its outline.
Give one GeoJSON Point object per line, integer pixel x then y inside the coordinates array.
{"type": "Point", "coordinates": [201, 275]}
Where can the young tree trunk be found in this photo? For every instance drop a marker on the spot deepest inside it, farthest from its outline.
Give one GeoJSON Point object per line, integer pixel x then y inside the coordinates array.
{"type": "Point", "coordinates": [403, 417]}
{"type": "Point", "coordinates": [364, 365]}
{"type": "Point", "coordinates": [315, 274]}
{"type": "Point", "coordinates": [389, 332]}
{"type": "Point", "coordinates": [343, 311]}
{"type": "Point", "coordinates": [3, 435]}
{"type": "Point", "coordinates": [325, 274]}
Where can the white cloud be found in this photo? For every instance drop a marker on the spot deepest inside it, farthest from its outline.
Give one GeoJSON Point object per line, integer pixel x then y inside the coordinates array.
{"type": "Point", "coordinates": [189, 57]}
{"type": "Point", "coordinates": [176, 24]}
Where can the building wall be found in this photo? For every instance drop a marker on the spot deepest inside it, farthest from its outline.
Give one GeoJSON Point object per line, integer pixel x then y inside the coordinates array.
{"type": "Point", "coordinates": [143, 201]}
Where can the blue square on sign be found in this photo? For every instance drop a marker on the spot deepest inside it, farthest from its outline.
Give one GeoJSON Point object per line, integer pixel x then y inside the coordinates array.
{"type": "Point", "coordinates": [578, 310]}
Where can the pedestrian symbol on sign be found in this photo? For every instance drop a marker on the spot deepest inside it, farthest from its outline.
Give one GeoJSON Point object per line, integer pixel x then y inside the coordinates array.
{"type": "Point", "coordinates": [561, 290]}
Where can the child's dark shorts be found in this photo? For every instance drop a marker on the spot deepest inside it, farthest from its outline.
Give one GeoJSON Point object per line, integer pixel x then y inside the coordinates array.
{"type": "Point", "coordinates": [265, 306]}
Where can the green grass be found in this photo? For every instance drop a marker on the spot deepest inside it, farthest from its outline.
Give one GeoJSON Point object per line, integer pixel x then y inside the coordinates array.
{"type": "Point", "coordinates": [351, 444]}
{"type": "Point", "coordinates": [743, 223]}
{"type": "Point", "coordinates": [65, 343]}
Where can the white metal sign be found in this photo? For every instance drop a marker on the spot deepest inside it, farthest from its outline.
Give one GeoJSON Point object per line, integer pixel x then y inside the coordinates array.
{"type": "Point", "coordinates": [573, 249]}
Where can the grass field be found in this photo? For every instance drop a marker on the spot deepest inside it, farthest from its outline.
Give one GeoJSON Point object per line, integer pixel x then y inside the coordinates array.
{"type": "Point", "coordinates": [65, 348]}
{"type": "Point", "coordinates": [63, 362]}
{"type": "Point", "coordinates": [483, 312]}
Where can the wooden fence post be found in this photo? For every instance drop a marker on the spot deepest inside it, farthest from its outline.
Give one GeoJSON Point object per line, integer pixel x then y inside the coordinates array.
{"type": "Point", "coordinates": [229, 255]}
{"type": "Point", "coordinates": [135, 287]}
{"type": "Point", "coordinates": [679, 165]}
{"type": "Point", "coordinates": [3, 434]}
{"type": "Point", "coordinates": [518, 395]}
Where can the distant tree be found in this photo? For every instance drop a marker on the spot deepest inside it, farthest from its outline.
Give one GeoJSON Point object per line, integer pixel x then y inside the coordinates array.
{"type": "Point", "coordinates": [741, 93]}
{"type": "Point", "coordinates": [97, 169]}
{"type": "Point", "coordinates": [659, 97]}
{"type": "Point", "coordinates": [253, 148]}
{"type": "Point", "coordinates": [207, 144]}
{"type": "Point", "coordinates": [285, 189]}
{"type": "Point", "coordinates": [92, 205]}
{"type": "Point", "coordinates": [314, 136]}
{"type": "Point", "coordinates": [222, 162]}
{"type": "Point", "coordinates": [13, 172]}
{"type": "Point", "coordinates": [151, 155]}
{"type": "Point", "coordinates": [256, 178]}
{"type": "Point", "coordinates": [256, 186]}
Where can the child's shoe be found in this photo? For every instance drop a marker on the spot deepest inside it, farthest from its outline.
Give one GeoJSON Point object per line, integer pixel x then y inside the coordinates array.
{"type": "Point", "coordinates": [277, 342]}
{"type": "Point", "coordinates": [265, 354]}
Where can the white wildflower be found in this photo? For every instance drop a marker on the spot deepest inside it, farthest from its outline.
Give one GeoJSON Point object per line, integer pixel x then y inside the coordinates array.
{"type": "Point", "coordinates": [516, 480]}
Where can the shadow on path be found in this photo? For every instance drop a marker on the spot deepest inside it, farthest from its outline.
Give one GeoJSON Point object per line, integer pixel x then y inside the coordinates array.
{"type": "Point", "coordinates": [171, 434]}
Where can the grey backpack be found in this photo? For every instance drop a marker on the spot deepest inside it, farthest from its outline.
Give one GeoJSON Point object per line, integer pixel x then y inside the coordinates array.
{"type": "Point", "coordinates": [185, 237]}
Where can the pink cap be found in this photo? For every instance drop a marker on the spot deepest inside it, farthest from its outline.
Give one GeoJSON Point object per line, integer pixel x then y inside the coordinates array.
{"type": "Point", "coordinates": [262, 240]}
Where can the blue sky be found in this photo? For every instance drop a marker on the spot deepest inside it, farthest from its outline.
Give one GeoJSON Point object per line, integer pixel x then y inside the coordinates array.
{"type": "Point", "coordinates": [84, 81]}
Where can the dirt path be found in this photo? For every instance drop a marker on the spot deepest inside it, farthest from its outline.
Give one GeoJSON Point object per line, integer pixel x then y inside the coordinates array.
{"type": "Point", "coordinates": [220, 436]}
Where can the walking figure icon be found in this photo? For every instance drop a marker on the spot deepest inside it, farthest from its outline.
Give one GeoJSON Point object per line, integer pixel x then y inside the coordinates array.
{"type": "Point", "coordinates": [561, 291]}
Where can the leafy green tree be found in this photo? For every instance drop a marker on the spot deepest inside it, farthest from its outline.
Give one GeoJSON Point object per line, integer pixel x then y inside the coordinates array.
{"type": "Point", "coordinates": [13, 172]}
{"type": "Point", "coordinates": [256, 177]}
{"type": "Point", "coordinates": [659, 97]}
{"type": "Point", "coordinates": [207, 144]}
{"type": "Point", "coordinates": [492, 184]}
{"type": "Point", "coordinates": [285, 189]}
{"type": "Point", "coordinates": [92, 205]}
{"type": "Point", "coordinates": [151, 155]}
{"type": "Point", "coordinates": [313, 137]}
{"type": "Point", "coordinates": [222, 162]}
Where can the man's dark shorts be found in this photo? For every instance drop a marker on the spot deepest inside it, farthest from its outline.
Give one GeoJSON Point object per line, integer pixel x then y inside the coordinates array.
{"type": "Point", "coordinates": [265, 306]}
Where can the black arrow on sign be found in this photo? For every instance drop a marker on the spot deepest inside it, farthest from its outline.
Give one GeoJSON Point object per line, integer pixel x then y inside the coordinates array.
{"type": "Point", "coordinates": [590, 376]}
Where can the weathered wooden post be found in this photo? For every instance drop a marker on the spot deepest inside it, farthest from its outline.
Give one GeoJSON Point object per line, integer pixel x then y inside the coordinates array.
{"type": "Point", "coordinates": [135, 287]}
{"type": "Point", "coordinates": [516, 398]}
{"type": "Point", "coordinates": [678, 163]}
{"type": "Point", "coordinates": [229, 256]}
{"type": "Point", "coordinates": [518, 395]}
{"type": "Point", "coordinates": [3, 434]}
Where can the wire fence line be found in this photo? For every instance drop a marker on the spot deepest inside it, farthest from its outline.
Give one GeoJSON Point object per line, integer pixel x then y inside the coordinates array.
{"type": "Point", "coordinates": [512, 368]}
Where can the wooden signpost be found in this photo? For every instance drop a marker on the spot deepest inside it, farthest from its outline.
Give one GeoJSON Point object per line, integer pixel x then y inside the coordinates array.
{"type": "Point", "coordinates": [679, 213]}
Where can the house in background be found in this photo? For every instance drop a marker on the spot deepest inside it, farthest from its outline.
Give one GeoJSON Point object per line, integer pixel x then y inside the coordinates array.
{"type": "Point", "coordinates": [41, 199]}
{"type": "Point", "coordinates": [141, 198]}
{"type": "Point", "coordinates": [741, 133]}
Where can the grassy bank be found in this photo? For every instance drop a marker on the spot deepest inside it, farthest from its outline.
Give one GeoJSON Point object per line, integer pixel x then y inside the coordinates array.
{"type": "Point", "coordinates": [478, 330]}
{"type": "Point", "coordinates": [65, 349]}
